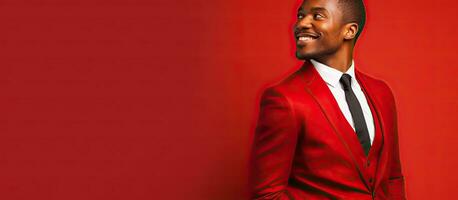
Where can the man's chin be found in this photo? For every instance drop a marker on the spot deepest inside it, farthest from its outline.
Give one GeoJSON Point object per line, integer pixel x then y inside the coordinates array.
{"type": "Point", "coordinates": [303, 56]}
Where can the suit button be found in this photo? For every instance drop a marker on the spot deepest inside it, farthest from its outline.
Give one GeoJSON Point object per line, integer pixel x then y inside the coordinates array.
{"type": "Point", "coordinates": [370, 180]}
{"type": "Point", "coordinates": [368, 163]}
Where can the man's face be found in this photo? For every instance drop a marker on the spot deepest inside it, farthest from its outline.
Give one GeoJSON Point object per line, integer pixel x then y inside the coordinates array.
{"type": "Point", "coordinates": [319, 29]}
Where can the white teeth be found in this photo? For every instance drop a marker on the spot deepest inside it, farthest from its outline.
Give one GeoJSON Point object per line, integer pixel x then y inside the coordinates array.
{"type": "Point", "coordinates": [302, 38]}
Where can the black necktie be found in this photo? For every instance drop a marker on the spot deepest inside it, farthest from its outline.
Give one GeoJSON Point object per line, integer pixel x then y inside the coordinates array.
{"type": "Point", "coordinates": [356, 114]}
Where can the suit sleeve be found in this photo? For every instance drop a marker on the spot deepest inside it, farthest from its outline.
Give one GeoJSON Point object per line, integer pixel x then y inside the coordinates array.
{"type": "Point", "coordinates": [273, 148]}
{"type": "Point", "coordinates": [396, 180]}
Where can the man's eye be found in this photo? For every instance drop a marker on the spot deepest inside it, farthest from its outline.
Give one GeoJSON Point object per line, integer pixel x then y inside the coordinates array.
{"type": "Point", "coordinates": [300, 16]}
{"type": "Point", "coordinates": [318, 16]}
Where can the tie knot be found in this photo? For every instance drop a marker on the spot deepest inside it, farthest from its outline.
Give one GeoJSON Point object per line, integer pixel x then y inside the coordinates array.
{"type": "Point", "coordinates": [345, 80]}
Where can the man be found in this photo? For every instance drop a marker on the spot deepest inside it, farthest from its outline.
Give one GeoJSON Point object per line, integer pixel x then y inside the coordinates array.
{"type": "Point", "coordinates": [327, 131]}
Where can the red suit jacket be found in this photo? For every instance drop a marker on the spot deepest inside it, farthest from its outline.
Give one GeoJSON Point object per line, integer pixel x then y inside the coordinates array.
{"type": "Point", "coordinates": [304, 148]}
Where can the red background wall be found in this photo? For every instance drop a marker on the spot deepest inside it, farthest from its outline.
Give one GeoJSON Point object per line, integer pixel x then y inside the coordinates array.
{"type": "Point", "coordinates": [137, 99]}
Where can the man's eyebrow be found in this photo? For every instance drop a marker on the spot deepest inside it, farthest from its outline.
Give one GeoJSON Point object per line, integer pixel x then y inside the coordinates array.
{"type": "Point", "coordinates": [300, 9]}
{"type": "Point", "coordinates": [314, 9]}
{"type": "Point", "coordinates": [319, 9]}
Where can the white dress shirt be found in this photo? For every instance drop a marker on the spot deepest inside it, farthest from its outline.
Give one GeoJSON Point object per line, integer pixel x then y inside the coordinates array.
{"type": "Point", "coordinates": [332, 78]}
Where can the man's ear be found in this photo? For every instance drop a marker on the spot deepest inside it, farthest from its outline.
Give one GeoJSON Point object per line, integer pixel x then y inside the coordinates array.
{"type": "Point", "coordinates": [350, 31]}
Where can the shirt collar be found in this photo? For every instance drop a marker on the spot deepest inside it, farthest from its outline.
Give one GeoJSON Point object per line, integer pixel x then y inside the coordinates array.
{"type": "Point", "coordinates": [332, 76]}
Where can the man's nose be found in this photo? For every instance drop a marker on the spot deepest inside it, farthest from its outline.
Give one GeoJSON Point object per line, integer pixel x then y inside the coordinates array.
{"type": "Point", "coordinates": [305, 22]}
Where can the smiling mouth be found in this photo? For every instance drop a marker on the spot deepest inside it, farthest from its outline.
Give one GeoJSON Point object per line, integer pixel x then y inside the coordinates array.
{"type": "Point", "coordinates": [306, 37]}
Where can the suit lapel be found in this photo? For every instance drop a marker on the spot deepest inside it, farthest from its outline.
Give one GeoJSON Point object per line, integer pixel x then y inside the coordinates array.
{"type": "Point", "coordinates": [377, 102]}
{"type": "Point", "coordinates": [318, 89]}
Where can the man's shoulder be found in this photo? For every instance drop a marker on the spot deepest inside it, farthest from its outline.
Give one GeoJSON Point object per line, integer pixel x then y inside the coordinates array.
{"type": "Point", "coordinates": [294, 81]}
{"type": "Point", "coordinates": [374, 82]}
{"type": "Point", "coordinates": [379, 86]}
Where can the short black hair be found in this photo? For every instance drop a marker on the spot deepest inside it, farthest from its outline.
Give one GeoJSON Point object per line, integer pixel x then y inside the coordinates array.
{"type": "Point", "coordinates": [354, 11]}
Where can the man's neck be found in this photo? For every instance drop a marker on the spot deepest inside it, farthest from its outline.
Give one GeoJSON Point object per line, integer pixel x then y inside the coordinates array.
{"type": "Point", "coordinates": [341, 60]}
{"type": "Point", "coordinates": [339, 64]}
